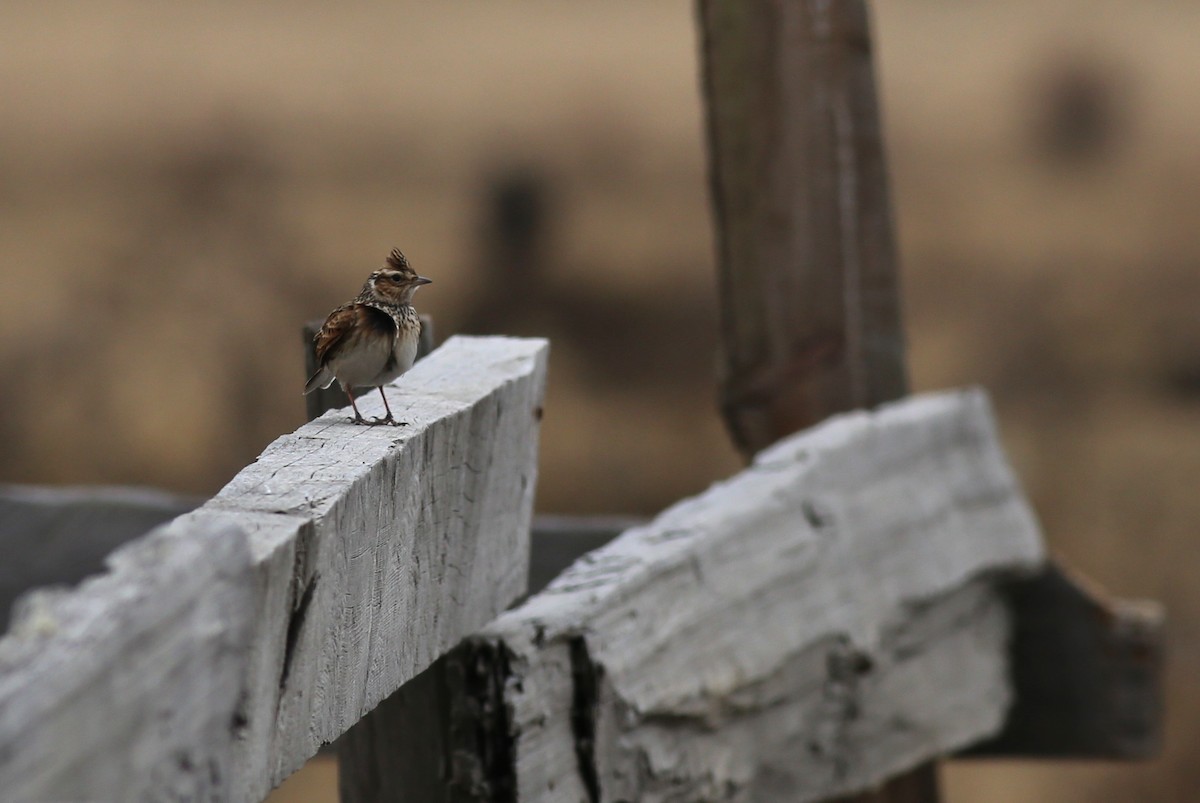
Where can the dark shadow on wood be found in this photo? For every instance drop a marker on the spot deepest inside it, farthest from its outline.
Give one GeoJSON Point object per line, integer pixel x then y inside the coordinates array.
{"type": "Point", "coordinates": [1086, 670]}
{"type": "Point", "coordinates": [398, 751]}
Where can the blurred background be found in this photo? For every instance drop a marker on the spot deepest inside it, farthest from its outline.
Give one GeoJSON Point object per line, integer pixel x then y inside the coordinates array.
{"type": "Point", "coordinates": [182, 185]}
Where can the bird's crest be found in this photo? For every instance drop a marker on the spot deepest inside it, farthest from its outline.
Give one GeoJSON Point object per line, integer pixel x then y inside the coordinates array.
{"type": "Point", "coordinates": [397, 260]}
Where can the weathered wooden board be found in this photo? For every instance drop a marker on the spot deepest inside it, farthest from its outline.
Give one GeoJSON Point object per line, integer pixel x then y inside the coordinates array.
{"type": "Point", "coordinates": [126, 688]}
{"type": "Point", "coordinates": [61, 535]}
{"type": "Point", "coordinates": [373, 550]}
{"type": "Point", "coordinates": [1086, 668]}
{"type": "Point", "coordinates": [823, 620]}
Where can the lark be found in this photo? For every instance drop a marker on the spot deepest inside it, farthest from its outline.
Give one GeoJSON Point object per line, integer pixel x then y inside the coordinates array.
{"type": "Point", "coordinates": [373, 339]}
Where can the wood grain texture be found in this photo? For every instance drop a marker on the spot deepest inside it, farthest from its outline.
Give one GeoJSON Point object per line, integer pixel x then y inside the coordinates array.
{"type": "Point", "coordinates": [1086, 668]}
{"type": "Point", "coordinates": [127, 687]}
{"type": "Point", "coordinates": [806, 255]}
{"type": "Point", "coordinates": [821, 621]}
{"type": "Point", "coordinates": [372, 551]}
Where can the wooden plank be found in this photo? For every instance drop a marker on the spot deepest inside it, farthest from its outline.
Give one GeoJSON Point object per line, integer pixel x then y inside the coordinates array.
{"type": "Point", "coordinates": [128, 687]}
{"type": "Point", "coordinates": [373, 550]}
{"type": "Point", "coordinates": [61, 535]}
{"type": "Point", "coordinates": [380, 548]}
{"type": "Point", "coordinates": [808, 628]}
{"type": "Point", "coordinates": [806, 254]}
{"type": "Point", "coordinates": [1087, 670]}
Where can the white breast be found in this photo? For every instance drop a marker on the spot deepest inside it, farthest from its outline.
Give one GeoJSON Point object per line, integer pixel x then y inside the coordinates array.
{"type": "Point", "coordinates": [361, 365]}
{"type": "Point", "coordinates": [405, 353]}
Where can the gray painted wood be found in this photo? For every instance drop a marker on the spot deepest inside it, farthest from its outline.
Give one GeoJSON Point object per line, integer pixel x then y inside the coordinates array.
{"type": "Point", "coordinates": [60, 535]}
{"type": "Point", "coordinates": [825, 619]}
{"type": "Point", "coordinates": [127, 687]}
{"type": "Point", "coordinates": [372, 551]}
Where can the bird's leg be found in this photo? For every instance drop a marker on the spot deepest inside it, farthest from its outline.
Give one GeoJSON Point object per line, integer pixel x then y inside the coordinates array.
{"type": "Point", "coordinates": [388, 419]}
{"type": "Point", "coordinates": [358, 419]}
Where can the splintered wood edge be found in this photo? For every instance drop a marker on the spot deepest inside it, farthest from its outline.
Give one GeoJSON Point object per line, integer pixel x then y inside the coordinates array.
{"type": "Point", "coordinates": [372, 551]}
{"type": "Point", "coordinates": [1087, 668]}
{"type": "Point", "coordinates": [757, 634]}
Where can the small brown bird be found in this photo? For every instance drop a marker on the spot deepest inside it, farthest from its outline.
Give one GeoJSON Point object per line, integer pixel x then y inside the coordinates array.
{"type": "Point", "coordinates": [373, 339]}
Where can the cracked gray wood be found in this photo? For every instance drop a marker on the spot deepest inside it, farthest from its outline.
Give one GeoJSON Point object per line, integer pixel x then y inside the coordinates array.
{"type": "Point", "coordinates": [372, 551]}
{"type": "Point", "coordinates": [825, 619]}
{"type": "Point", "coordinates": [126, 688]}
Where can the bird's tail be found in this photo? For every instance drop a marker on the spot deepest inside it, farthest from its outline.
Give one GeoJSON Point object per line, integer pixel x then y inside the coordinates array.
{"type": "Point", "coordinates": [323, 378]}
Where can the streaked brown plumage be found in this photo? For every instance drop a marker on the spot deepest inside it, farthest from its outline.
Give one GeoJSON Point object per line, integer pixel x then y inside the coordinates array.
{"type": "Point", "coordinates": [373, 339]}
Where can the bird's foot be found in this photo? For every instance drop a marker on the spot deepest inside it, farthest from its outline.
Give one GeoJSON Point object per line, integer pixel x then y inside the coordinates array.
{"type": "Point", "coordinates": [391, 422]}
{"type": "Point", "coordinates": [359, 420]}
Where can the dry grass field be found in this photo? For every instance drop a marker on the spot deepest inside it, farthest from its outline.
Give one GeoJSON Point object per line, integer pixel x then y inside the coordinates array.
{"type": "Point", "coordinates": [181, 185]}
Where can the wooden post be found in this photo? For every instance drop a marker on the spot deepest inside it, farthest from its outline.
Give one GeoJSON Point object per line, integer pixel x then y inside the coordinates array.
{"type": "Point", "coordinates": [806, 256]}
{"type": "Point", "coordinates": [807, 264]}
{"type": "Point", "coordinates": [811, 327]}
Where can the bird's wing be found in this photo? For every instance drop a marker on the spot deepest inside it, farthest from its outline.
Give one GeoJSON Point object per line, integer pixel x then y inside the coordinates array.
{"type": "Point", "coordinates": [334, 331]}
{"type": "Point", "coordinates": [346, 323]}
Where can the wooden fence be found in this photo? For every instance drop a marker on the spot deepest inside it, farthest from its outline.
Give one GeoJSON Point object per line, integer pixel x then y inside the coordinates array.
{"type": "Point", "coordinates": [868, 596]}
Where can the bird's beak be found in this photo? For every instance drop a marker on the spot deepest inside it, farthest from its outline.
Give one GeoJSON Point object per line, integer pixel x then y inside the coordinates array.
{"type": "Point", "coordinates": [422, 280]}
